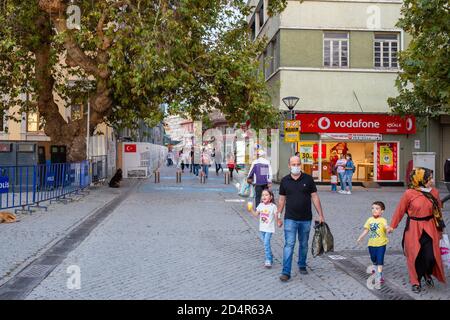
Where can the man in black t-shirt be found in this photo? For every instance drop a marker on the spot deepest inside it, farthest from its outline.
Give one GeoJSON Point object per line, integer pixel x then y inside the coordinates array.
{"type": "Point", "coordinates": [297, 192]}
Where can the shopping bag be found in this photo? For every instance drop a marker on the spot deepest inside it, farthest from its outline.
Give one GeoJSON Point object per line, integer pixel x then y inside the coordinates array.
{"type": "Point", "coordinates": [245, 189]}
{"type": "Point", "coordinates": [317, 242]}
{"type": "Point", "coordinates": [444, 245]}
{"type": "Point", "coordinates": [327, 238]}
{"type": "Point", "coordinates": [252, 191]}
{"type": "Point", "coordinates": [323, 240]}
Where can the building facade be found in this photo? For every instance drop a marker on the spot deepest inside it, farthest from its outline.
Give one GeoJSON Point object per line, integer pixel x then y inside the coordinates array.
{"type": "Point", "coordinates": [340, 58]}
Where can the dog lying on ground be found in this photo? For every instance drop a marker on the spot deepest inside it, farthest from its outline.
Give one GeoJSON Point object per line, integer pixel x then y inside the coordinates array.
{"type": "Point", "coordinates": [7, 217]}
{"type": "Point", "coordinates": [115, 180]}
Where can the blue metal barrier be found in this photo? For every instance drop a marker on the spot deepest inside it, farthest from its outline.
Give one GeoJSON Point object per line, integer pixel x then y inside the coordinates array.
{"type": "Point", "coordinates": [28, 186]}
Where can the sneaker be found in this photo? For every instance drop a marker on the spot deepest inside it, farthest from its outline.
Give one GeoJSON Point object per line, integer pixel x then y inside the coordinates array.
{"type": "Point", "coordinates": [284, 277]}
{"type": "Point", "coordinates": [268, 264]}
{"type": "Point", "coordinates": [429, 282]}
{"type": "Point", "coordinates": [416, 288]}
{"type": "Point", "coordinates": [303, 270]}
{"type": "Point", "coordinates": [348, 192]}
{"type": "Point", "coordinates": [341, 192]}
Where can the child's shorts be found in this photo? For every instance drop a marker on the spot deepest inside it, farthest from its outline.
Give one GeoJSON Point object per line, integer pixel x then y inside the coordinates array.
{"type": "Point", "coordinates": [377, 255]}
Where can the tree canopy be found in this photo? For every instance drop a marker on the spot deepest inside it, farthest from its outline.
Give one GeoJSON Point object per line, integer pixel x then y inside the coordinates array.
{"type": "Point", "coordinates": [129, 57]}
{"type": "Point", "coordinates": [424, 82]}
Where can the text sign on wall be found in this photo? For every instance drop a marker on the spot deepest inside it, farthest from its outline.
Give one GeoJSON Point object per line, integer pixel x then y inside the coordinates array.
{"type": "Point", "coordinates": [356, 123]}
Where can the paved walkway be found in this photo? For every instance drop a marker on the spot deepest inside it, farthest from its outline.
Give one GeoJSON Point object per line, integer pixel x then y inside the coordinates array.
{"type": "Point", "coordinates": [196, 241]}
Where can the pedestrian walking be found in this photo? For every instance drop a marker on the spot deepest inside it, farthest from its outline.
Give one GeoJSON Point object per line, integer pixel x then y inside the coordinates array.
{"type": "Point", "coordinates": [267, 212]}
{"type": "Point", "coordinates": [231, 164]}
{"type": "Point", "coordinates": [260, 174]}
{"type": "Point", "coordinates": [423, 230]}
{"type": "Point", "coordinates": [348, 175]}
{"type": "Point", "coordinates": [377, 228]}
{"type": "Point", "coordinates": [217, 156]}
{"type": "Point", "coordinates": [181, 160]}
{"type": "Point", "coordinates": [334, 179]}
{"type": "Point", "coordinates": [297, 192]}
{"type": "Point", "coordinates": [206, 162]}
{"type": "Point", "coordinates": [340, 169]}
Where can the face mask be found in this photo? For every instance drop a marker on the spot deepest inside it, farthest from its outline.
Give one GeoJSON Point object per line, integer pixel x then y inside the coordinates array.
{"type": "Point", "coordinates": [296, 170]}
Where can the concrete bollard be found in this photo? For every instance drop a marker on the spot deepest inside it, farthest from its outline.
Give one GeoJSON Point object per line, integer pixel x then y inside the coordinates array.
{"type": "Point", "coordinates": [157, 176]}
{"type": "Point", "coordinates": [227, 177]}
{"type": "Point", "coordinates": [178, 176]}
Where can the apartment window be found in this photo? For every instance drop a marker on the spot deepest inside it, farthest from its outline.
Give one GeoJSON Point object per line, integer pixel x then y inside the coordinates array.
{"type": "Point", "coordinates": [35, 122]}
{"type": "Point", "coordinates": [253, 29]}
{"type": "Point", "coordinates": [261, 15]}
{"type": "Point", "coordinates": [271, 59]}
{"type": "Point", "coordinates": [335, 49]}
{"type": "Point", "coordinates": [385, 50]}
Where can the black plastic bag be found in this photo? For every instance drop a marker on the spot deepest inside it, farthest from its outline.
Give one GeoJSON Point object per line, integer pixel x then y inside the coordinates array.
{"type": "Point", "coordinates": [322, 240]}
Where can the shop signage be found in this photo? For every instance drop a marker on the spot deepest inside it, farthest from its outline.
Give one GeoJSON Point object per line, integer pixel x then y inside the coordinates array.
{"type": "Point", "coordinates": [352, 136]}
{"type": "Point", "coordinates": [356, 123]}
{"type": "Point", "coordinates": [292, 131]}
{"type": "Point", "coordinates": [387, 161]}
{"type": "Point", "coordinates": [306, 154]}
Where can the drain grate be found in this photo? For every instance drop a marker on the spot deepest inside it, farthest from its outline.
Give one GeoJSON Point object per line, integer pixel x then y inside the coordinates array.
{"type": "Point", "coordinates": [357, 271]}
{"type": "Point", "coordinates": [36, 271]}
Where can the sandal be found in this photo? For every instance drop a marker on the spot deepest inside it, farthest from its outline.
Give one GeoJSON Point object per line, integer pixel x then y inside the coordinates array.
{"type": "Point", "coordinates": [416, 288]}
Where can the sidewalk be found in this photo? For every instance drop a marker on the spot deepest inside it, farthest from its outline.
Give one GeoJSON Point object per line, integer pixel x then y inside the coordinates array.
{"type": "Point", "coordinates": [26, 240]}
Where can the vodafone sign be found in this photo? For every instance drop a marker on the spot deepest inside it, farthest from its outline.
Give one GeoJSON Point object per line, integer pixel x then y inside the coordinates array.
{"type": "Point", "coordinates": [356, 123]}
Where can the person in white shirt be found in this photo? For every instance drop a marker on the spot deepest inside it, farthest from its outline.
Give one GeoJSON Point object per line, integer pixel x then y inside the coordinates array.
{"type": "Point", "coordinates": [267, 212]}
{"type": "Point", "coordinates": [340, 168]}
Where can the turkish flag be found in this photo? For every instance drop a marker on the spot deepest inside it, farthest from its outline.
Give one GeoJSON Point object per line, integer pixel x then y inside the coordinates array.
{"type": "Point", "coordinates": [130, 148]}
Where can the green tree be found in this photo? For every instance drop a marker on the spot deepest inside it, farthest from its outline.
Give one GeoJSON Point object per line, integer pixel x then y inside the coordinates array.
{"type": "Point", "coordinates": [128, 58]}
{"type": "Point", "coordinates": [424, 83]}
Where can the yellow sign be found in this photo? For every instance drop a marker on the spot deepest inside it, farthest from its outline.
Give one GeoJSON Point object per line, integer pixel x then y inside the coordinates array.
{"type": "Point", "coordinates": [292, 131]}
{"type": "Point", "coordinates": [292, 125]}
{"type": "Point", "coordinates": [306, 154]}
{"type": "Point", "coordinates": [291, 136]}
{"type": "Point", "coordinates": [386, 156]}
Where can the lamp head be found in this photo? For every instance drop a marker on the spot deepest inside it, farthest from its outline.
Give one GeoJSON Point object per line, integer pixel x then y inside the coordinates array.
{"type": "Point", "coordinates": [290, 102]}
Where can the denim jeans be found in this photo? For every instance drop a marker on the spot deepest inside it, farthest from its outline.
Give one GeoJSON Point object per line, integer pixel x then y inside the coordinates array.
{"type": "Point", "coordinates": [348, 179]}
{"type": "Point", "coordinates": [265, 237]}
{"type": "Point", "coordinates": [205, 168]}
{"type": "Point", "coordinates": [293, 228]}
{"type": "Point", "coordinates": [342, 180]}
{"type": "Point", "coordinates": [333, 187]}
{"type": "Point", "coordinates": [196, 168]}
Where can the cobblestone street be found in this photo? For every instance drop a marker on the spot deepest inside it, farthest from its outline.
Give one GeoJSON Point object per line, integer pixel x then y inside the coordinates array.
{"type": "Point", "coordinates": [197, 241]}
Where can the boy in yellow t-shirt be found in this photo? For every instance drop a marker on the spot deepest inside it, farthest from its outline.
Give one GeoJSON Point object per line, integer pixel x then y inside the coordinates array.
{"type": "Point", "coordinates": [376, 227]}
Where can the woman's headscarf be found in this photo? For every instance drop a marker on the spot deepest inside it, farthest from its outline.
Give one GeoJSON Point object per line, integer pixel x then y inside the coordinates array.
{"type": "Point", "coordinates": [419, 178]}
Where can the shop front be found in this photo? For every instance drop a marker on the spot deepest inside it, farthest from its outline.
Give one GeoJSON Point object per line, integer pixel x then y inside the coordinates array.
{"type": "Point", "coordinates": [372, 140]}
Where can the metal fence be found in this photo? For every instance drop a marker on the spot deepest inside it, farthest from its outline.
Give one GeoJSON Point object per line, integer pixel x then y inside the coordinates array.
{"type": "Point", "coordinates": [28, 186]}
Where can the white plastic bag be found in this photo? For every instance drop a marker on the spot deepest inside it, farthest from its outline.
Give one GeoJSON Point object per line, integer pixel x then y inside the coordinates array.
{"type": "Point", "coordinates": [444, 245]}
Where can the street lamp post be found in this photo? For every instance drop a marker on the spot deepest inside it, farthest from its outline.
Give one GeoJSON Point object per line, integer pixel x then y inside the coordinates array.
{"type": "Point", "coordinates": [290, 103]}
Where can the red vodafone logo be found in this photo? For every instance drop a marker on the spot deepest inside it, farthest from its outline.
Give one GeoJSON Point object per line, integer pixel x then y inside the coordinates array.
{"type": "Point", "coordinates": [409, 124]}
{"type": "Point", "coordinates": [130, 148]}
{"type": "Point", "coordinates": [324, 123]}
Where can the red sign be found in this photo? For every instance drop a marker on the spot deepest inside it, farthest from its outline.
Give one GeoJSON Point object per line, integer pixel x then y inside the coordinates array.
{"type": "Point", "coordinates": [356, 123]}
{"type": "Point", "coordinates": [387, 161]}
{"type": "Point", "coordinates": [130, 148]}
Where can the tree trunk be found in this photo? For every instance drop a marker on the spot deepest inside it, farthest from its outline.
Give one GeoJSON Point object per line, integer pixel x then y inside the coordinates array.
{"type": "Point", "coordinates": [72, 134]}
